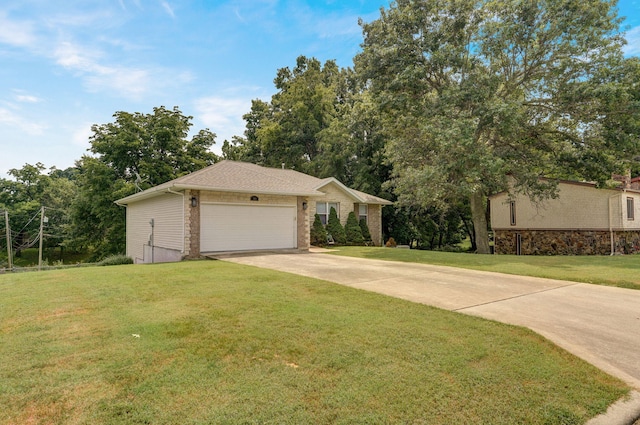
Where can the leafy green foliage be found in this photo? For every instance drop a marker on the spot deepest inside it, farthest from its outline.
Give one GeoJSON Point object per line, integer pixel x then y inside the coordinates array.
{"type": "Point", "coordinates": [135, 152]}
{"type": "Point", "coordinates": [116, 260]}
{"type": "Point", "coordinates": [335, 229]}
{"type": "Point", "coordinates": [364, 229]}
{"type": "Point", "coordinates": [318, 232]}
{"type": "Point", "coordinates": [473, 92]}
{"type": "Point", "coordinates": [25, 195]}
{"type": "Point", "coordinates": [353, 232]}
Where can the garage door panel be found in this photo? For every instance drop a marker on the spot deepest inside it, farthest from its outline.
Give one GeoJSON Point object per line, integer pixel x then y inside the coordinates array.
{"type": "Point", "coordinates": [246, 227]}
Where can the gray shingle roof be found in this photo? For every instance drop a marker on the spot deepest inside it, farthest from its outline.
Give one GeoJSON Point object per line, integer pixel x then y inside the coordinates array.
{"type": "Point", "coordinates": [233, 176]}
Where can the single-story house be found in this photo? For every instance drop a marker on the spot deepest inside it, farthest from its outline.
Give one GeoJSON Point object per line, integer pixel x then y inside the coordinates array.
{"type": "Point", "coordinates": [582, 220]}
{"type": "Point", "coordinates": [237, 206]}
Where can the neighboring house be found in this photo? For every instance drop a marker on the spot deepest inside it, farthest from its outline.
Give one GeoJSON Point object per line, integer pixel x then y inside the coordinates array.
{"type": "Point", "coordinates": [581, 220]}
{"type": "Point", "coordinates": [237, 206]}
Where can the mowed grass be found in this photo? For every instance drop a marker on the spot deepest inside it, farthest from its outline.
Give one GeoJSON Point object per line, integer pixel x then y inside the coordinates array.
{"type": "Point", "coordinates": [211, 342]}
{"type": "Point", "coordinates": [619, 270]}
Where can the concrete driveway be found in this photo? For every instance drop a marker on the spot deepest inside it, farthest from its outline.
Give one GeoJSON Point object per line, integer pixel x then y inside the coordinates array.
{"type": "Point", "coordinates": [597, 323]}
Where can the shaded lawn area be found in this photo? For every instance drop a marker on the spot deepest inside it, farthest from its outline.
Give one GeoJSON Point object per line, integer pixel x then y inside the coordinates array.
{"type": "Point", "coordinates": [215, 342]}
{"type": "Point", "coordinates": [620, 270]}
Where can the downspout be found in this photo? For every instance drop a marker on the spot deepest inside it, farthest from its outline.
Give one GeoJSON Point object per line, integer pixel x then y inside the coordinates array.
{"type": "Point", "coordinates": [181, 194]}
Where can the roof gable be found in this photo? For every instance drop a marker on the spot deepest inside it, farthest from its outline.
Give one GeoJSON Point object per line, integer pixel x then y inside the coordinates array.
{"type": "Point", "coordinates": [234, 176]}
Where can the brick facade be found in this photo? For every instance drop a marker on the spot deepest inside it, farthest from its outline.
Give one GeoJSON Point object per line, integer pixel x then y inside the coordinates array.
{"type": "Point", "coordinates": [566, 242]}
{"type": "Point", "coordinates": [192, 224]}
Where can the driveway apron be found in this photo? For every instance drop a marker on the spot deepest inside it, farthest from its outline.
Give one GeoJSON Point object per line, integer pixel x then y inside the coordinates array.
{"type": "Point", "coordinates": [597, 323]}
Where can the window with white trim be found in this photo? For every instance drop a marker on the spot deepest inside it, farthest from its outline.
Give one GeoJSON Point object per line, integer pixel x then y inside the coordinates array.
{"type": "Point", "coordinates": [363, 212]}
{"type": "Point", "coordinates": [630, 209]}
{"type": "Point", "coordinates": [323, 209]}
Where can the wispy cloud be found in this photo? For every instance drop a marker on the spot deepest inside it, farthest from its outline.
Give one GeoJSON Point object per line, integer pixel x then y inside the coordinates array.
{"type": "Point", "coordinates": [16, 33]}
{"type": "Point", "coordinates": [633, 42]}
{"type": "Point", "coordinates": [80, 136]}
{"type": "Point", "coordinates": [126, 81]}
{"type": "Point", "coordinates": [223, 115]}
{"type": "Point", "coordinates": [167, 7]}
{"type": "Point", "coordinates": [23, 97]}
{"type": "Point", "coordinates": [12, 119]}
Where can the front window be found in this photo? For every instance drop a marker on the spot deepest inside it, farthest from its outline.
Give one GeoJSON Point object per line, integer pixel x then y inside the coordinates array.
{"type": "Point", "coordinates": [323, 209]}
{"type": "Point", "coordinates": [363, 212]}
{"type": "Point", "coordinates": [630, 209]}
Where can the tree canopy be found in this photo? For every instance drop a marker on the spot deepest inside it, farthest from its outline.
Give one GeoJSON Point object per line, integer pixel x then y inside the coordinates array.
{"type": "Point", "coordinates": [475, 91]}
{"type": "Point", "coordinates": [135, 152]}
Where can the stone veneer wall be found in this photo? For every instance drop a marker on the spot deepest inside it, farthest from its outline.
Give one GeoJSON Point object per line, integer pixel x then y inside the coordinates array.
{"type": "Point", "coordinates": [566, 242]}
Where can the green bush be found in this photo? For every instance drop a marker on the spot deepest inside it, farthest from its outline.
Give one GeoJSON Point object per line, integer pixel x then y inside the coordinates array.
{"type": "Point", "coordinates": [366, 234]}
{"type": "Point", "coordinates": [318, 232]}
{"type": "Point", "coordinates": [335, 229]}
{"type": "Point", "coordinates": [115, 260]}
{"type": "Point", "coordinates": [352, 230]}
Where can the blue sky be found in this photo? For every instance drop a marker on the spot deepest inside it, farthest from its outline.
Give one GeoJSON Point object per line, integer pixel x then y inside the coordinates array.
{"type": "Point", "coordinates": [65, 65]}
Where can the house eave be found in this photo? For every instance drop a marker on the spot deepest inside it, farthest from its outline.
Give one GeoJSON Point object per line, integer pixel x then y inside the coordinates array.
{"type": "Point", "coordinates": [150, 193]}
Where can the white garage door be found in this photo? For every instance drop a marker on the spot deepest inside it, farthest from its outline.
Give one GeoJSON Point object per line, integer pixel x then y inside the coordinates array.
{"type": "Point", "coordinates": [246, 227]}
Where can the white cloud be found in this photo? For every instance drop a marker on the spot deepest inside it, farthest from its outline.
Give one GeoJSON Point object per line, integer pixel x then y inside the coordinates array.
{"type": "Point", "coordinates": [167, 7]}
{"type": "Point", "coordinates": [13, 120]}
{"type": "Point", "coordinates": [22, 97]}
{"type": "Point", "coordinates": [223, 115]}
{"type": "Point", "coordinates": [127, 82]}
{"type": "Point", "coordinates": [16, 33]}
{"type": "Point", "coordinates": [80, 136]}
{"type": "Point", "coordinates": [633, 42]}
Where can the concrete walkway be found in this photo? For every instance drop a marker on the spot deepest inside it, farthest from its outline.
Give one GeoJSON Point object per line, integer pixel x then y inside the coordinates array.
{"type": "Point", "coordinates": [597, 323]}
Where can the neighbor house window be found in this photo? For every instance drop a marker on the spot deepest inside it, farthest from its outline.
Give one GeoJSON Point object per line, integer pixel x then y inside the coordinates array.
{"type": "Point", "coordinates": [512, 213]}
{"type": "Point", "coordinates": [363, 212]}
{"type": "Point", "coordinates": [323, 209]}
{"type": "Point", "coordinates": [630, 209]}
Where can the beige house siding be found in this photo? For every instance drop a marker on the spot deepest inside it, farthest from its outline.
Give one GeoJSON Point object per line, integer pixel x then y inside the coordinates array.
{"type": "Point", "coordinates": [168, 232]}
{"type": "Point", "coordinates": [375, 224]}
{"type": "Point", "coordinates": [335, 194]}
{"type": "Point", "coordinates": [577, 207]}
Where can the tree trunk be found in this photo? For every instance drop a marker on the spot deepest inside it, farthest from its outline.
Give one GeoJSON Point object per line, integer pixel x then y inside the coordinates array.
{"type": "Point", "coordinates": [479, 218]}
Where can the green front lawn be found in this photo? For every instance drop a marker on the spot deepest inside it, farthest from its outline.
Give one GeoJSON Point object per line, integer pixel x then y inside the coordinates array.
{"type": "Point", "coordinates": [211, 342]}
{"type": "Point", "coordinates": [619, 270]}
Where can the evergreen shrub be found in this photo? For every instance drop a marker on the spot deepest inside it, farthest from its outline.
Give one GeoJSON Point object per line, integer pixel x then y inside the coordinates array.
{"type": "Point", "coordinates": [352, 230]}
{"type": "Point", "coordinates": [335, 229]}
{"type": "Point", "coordinates": [318, 232]}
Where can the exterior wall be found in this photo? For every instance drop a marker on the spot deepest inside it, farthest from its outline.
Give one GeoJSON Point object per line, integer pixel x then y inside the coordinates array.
{"type": "Point", "coordinates": [193, 227]}
{"type": "Point", "coordinates": [334, 194]}
{"type": "Point", "coordinates": [192, 224]}
{"type": "Point", "coordinates": [168, 231]}
{"type": "Point", "coordinates": [375, 224]}
{"type": "Point", "coordinates": [577, 207]}
{"type": "Point", "coordinates": [567, 242]}
{"type": "Point", "coordinates": [304, 226]}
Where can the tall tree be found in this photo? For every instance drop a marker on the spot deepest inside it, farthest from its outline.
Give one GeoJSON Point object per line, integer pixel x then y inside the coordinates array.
{"type": "Point", "coordinates": [475, 91]}
{"type": "Point", "coordinates": [135, 152]}
{"type": "Point", "coordinates": [153, 148]}
{"type": "Point", "coordinates": [286, 129]}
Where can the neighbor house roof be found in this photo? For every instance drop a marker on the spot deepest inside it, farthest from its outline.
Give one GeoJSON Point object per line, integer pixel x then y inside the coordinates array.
{"type": "Point", "coordinates": [243, 177]}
